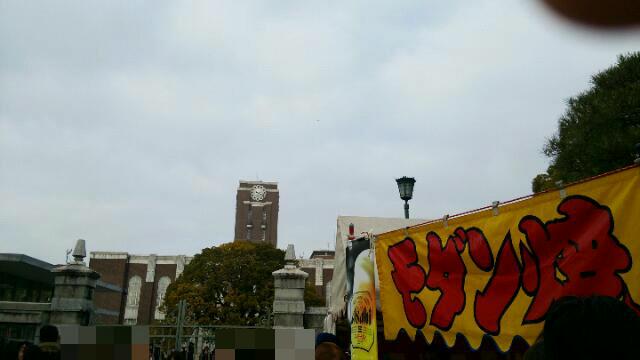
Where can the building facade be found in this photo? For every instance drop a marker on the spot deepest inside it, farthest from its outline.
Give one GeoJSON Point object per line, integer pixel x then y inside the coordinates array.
{"type": "Point", "coordinates": [128, 289]}
{"type": "Point", "coordinates": [34, 292]}
{"type": "Point", "coordinates": [257, 212]}
{"type": "Point", "coordinates": [319, 266]}
{"type": "Point", "coordinates": [26, 288]}
{"type": "Point", "coordinates": [145, 278]}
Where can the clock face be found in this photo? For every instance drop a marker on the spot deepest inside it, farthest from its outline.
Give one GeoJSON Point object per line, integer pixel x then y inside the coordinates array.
{"type": "Point", "coordinates": [258, 193]}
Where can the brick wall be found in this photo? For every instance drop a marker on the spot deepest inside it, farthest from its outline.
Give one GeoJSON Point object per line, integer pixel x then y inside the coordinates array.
{"type": "Point", "coordinates": [327, 275]}
{"type": "Point", "coordinates": [117, 269]}
{"type": "Point", "coordinates": [161, 271]}
{"type": "Point", "coordinates": [270, 205]}
{"type": "Point", "coordinates": [112, 271]}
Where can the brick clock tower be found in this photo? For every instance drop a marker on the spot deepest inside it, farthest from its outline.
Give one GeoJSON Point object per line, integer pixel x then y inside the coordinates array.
{"type": "Point", "coordinates": [257, 212]}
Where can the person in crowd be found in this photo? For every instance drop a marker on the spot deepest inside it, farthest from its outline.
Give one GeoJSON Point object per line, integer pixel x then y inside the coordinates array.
{"type": "Point", "coordinates": [536, 351]}
{"type": "Point", "coordinates": [595, 327]}
{"type": "Point", "coordinates": [28, 351]}
{"type": "Point", "coordinates": [191, 350]}
{"type": "Point", "coordinates": [205, 355]}
{"type": "Point", "coordinates": [49, 342]}
{"type": "Point", "coordinates": [4, 347]}
{"type": "Point", "coordinates": [176, 355]}
{"type": "Point", "coordinates": [327, 347]}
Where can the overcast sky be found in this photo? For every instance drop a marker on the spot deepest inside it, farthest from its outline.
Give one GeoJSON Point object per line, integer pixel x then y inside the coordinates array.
{"type": "Point", "coordinates": [129, 124]}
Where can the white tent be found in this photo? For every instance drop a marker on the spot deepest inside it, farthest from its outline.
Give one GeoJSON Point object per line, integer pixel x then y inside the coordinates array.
{"type": "Point", "coordinates": [372, 225]}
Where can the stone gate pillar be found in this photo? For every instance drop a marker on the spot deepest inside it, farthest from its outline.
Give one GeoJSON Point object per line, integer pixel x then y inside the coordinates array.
{"type": "Point", "coordinates": [288, 302]}
{"type": "Point", "coordinates": [72, 301]}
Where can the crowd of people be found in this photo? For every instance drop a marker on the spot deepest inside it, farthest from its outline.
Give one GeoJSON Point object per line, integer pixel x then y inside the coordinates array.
{"type": "Point", "coordinates": [187, 353]}
{"type": "Point", "coordinates": [595, 327]}
{"type": "Point", "coordinates": [47, 349]}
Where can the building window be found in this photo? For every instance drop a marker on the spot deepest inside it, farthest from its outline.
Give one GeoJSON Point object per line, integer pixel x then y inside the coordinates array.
{"type": "Point", "coordinates": [133, 300]}
{"type": "Point", "coordinates": [151, 268]}
{"type": "Point", "coordinates": [133, 296]}
{"type": "Point", "coordinates": [21, 294]}
{"type": "Point", "coordinates": [163, 284]}
{"type": "Point", "coordinates": [249, 221]}
{"type": "Point", "coordinates": [319, 272]}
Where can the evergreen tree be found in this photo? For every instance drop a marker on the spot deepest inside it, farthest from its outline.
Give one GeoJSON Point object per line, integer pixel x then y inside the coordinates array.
{"type": "Point", "coordinates": [600, 128]}
{"type": "Point", "coordinates": [230, 284]}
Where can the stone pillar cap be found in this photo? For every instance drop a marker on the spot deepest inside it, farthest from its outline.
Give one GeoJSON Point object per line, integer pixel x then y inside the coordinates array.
{"type": "Point", "coordinates": [79, 252]}
{"type": "Point", "coordinates": [290, 254]}
{"type": "Point", "coordinates": [290, 272]}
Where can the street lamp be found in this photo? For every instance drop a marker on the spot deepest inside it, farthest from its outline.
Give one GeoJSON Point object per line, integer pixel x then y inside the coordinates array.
{"type": "Point", "coordinates": [405, 186]}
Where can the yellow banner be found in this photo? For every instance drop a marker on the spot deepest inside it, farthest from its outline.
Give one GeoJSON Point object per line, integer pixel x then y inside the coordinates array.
{"type": "Point", "coordinates": [497, 271]}
{"type": "Point", "coordinates": [364, 343]}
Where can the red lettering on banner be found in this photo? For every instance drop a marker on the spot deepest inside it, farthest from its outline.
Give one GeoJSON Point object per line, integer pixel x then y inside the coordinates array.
{"type": "Point", "coordinates": [492, 302]}
{"type": "Point", "coordinates": [447, 271]}
{"type": "Point", "coordinates": [408, 278]}
{"type": "Point", "coordinates": [577, 255]}
{"type": "Point", "coordinates": [479, 248]}
{"type": "Point", "coordinates": [530, 277]}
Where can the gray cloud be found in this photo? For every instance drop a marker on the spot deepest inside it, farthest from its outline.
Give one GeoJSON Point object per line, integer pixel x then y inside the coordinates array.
{"type": "Point", "coordinates": [130, 124]}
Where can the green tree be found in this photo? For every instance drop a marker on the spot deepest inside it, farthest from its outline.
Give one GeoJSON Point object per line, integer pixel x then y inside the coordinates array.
{"type": "Point", "coordinates": [600, 128]}
{"type": "Point", "coordinates": [230, 284]}
{"type": "Point", "coordinates": [311, 298]}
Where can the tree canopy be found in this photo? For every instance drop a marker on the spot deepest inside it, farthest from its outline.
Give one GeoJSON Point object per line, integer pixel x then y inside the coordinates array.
{"type": "Point", "coordinates": [600, 128]}
{"type": "Point", "coordinates": [230, 284]}
{"type": "Point", "coordinates": [311, 298]}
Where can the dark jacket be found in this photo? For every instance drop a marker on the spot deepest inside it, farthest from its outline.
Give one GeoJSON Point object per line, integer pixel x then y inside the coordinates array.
{"type": "Point", "coordinates": [50, 351]}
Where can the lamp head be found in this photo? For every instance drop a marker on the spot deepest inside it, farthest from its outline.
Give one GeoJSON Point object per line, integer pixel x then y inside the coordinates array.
{"type": "Point", "coordinates": [405, 186]}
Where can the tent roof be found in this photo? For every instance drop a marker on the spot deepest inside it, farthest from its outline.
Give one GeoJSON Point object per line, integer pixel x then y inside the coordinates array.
{"type": "Point", "coordinates": [362, 224]}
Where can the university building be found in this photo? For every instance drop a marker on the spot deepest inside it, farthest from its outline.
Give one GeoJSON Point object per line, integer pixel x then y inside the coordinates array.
{"type": "Point", "coordinates": [145, 279]}
{"type": "Point", "coordinates": [319, 266]}
{"type": "Point", "coordinates": [131, 287]}
{"type": "Point", "coordinates": [257, 212]}
{"type": "Point", "coordinates": [34, 292]}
